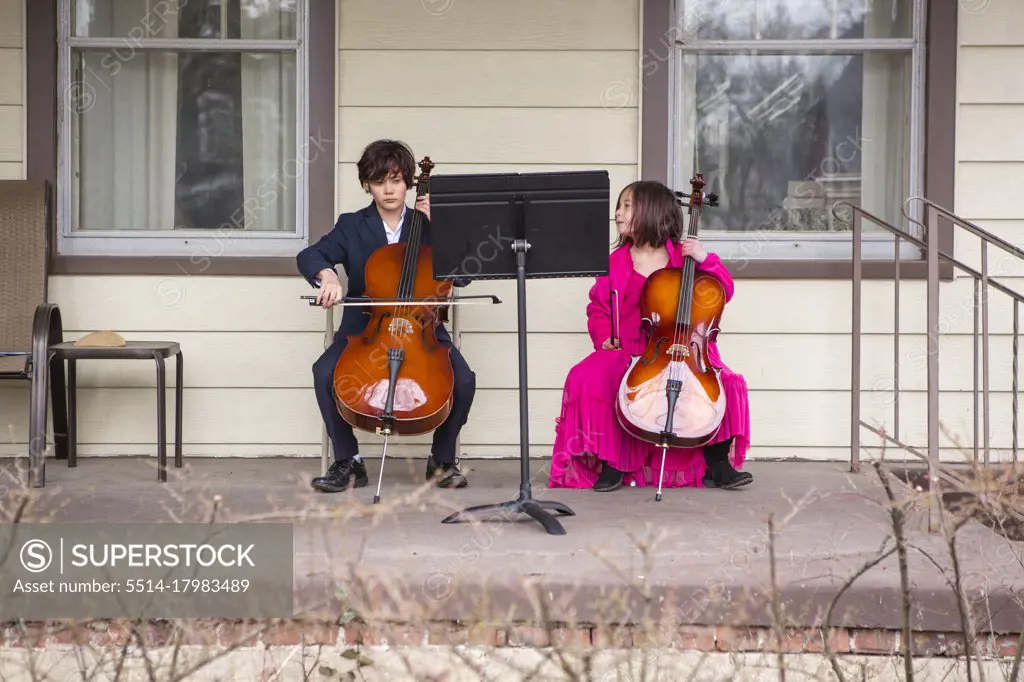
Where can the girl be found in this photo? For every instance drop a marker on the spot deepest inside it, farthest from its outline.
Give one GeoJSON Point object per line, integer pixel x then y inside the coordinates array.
{"type": "Point", "coordinates": [591, 449]}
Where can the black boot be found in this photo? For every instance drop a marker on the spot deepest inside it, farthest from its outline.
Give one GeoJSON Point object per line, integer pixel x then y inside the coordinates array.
{"type": "Point", "coordinates": [720, 473]}
{"type": "Point", "coordinates": [448, 475]}
{"type": "Point", "coordinates": [610, 479]}
{"type": "Point", "coordinates": [338, 476]}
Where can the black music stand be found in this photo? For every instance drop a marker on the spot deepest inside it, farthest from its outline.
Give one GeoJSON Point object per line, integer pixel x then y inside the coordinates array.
{"type": "Point", "coordinates": [482, 227]}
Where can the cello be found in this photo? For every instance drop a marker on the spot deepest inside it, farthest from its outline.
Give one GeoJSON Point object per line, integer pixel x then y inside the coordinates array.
{"type": "Point", "coordinates": [395, 378]}
{"type": "Point", "coordinates": [672, 395]}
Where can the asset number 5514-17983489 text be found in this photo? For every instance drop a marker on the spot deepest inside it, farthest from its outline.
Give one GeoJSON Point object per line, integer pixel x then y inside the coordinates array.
{"type": "Point", "coordinates": [188, 585]}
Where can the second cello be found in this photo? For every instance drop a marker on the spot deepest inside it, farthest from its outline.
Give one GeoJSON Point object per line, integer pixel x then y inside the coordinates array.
{"type": "Point", "coordinates": [672, 395]}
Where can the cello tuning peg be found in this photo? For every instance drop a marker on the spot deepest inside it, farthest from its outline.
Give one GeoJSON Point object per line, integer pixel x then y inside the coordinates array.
{"type": "Point", "coordinates": [713, 199]}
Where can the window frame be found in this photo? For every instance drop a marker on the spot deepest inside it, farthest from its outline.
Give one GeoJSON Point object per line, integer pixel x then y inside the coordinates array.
{"type": "Point", "coordinates": [932, 160]}
{"type": "Point", "coordinates": [315, 116]}
{"type": "Point", "coordinates": [194, 244]}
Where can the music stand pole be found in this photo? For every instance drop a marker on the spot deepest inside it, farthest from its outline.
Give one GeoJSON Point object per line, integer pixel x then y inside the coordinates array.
{"type": "Point", "coordinates": [524, 504]}
{"type": "Point", "coordinates": [557, 219]}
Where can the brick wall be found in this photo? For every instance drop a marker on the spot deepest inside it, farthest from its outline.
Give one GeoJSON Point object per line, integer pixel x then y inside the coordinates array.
{"type": "Point", "coordinates": [228, 633]}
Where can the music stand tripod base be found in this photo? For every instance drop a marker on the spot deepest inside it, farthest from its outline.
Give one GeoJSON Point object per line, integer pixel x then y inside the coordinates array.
{"type": "Point", "coordinates": [524, 504]}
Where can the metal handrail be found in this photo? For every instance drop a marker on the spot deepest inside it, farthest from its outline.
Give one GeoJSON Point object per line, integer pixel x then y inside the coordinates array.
{"type": "Point", "coordinates": [982, 282]}
{"type": "Point", "coordinates": [979, 232]}
{"type": "Point", "coordinates": [903, 234]}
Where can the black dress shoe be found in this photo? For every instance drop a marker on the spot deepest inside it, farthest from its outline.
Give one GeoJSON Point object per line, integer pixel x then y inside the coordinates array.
{"type": "Point", "coordinates": [339, 476]}
{"type": "Point", "coordinates": [720, 474]}
{"type": "Point", "coordinates": [610, 479]}
{"type": "Point", "coordinates": [447, 475]}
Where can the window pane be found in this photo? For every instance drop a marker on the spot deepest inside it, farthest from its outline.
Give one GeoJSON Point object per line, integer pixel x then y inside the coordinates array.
{"type": "Point", "coordinates": [134, 19]}
{"type": "Point", "coordinates": [783, 138]}
{"type": "Point", "coordinates": [795, 19]}
{"type": "Point", "coordinates": [172, 141]}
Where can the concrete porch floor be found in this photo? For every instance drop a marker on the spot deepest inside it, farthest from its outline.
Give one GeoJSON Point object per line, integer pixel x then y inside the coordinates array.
{"type": "Point", "coordinates": [697, 557]}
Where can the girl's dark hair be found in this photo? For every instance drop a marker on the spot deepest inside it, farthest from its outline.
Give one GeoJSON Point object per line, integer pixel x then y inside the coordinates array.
{"type": "Point", "coordinates": [382, 158]}
{"type": "Point", "coordinates": [657, 218]}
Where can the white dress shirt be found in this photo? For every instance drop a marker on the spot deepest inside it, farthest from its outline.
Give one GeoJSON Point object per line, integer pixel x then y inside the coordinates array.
{"type": "Point", "coordinates": [396, 234]}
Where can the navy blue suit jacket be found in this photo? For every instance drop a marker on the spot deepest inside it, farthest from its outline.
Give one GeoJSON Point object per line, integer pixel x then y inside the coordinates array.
{"type": "Point", "coordinates": [350, 244]}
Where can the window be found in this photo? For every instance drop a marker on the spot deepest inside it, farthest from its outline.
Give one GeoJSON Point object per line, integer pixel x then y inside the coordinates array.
{"type": "Point", "coordinates": [790, 106]}
{"type": "Point", "coordinates": [183, 128]}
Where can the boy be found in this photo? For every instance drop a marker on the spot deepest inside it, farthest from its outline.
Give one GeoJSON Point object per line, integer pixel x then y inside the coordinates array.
{"type": "Point", "coordinates": [385, 172]}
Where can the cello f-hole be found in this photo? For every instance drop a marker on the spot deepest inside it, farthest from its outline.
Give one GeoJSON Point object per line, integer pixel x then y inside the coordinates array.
{"type": "Point", "coordinates": [367, 340]}
{"type": "Point", "coordinates": [698, 356]}
{"type": "Point", "coordinates": [430, 345]}
{"type": "Point", "coordinates": [655, 354]}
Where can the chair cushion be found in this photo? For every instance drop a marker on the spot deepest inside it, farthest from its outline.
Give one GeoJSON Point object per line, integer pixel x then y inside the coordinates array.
{"type": "Point", "coordinates": [13, 364]}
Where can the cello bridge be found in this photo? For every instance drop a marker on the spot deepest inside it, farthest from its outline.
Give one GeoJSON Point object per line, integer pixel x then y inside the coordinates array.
{"type": "Point", "coordinates": [400, 325]}
{"type": "Point", "coordinates": [678, 350]}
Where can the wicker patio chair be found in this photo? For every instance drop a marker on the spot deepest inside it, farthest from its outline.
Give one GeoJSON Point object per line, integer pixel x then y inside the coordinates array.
{"type": "Point", "coordinates": [29, 324]}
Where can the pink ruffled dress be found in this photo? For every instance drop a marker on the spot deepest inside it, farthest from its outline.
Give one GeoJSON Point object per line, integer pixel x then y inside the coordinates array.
{"type": "Point", "coordinates": [587, 430]}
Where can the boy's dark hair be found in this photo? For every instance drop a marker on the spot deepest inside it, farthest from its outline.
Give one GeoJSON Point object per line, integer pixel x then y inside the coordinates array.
{"type": "Point", "coordinates": [657, 217]}
{"type": "Point", "coordinates": [383, 158]}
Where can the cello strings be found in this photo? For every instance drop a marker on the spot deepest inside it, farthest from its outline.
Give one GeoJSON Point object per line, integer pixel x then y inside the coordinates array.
{"type": "Point", "coordinates": [411, 247]}
{"type": "Point", "coordinates": [406, 283]}
{"type": "Point", "coordinates": [684, 308]}
{"type": "Point", "coordinates": [398, 310]}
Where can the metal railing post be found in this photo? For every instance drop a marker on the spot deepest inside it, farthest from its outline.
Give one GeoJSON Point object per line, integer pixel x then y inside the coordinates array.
{"type": "Point", "coordinates": [896, 341]}
{"type": "Point", "coordinates": [855, 346]}
{"type": "Point", "coordinates": [1016, 334]}
{"type": "Point", "coordinates": [976, 342]}
{"type": "Point", "coordinates": [984, 347]}
{"type": "Point", "coordinates": [932, 250]}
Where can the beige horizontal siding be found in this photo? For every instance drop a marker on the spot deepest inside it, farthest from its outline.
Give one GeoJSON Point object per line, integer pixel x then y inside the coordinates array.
{"type": "Point", "coordinates": [12, 23]}
{"type": "Point", "coordinates": [988, 149]}
{"type": "Point", "coordinates": [12, 144]}
{"type": "Point", "coordinates": [990, 22]}
{"type": "Point", "coordinates": [214, 415]}
{"type": "Point", "coordinates": [183, 303]}
{"type": "Point", "coordinates": [973, 61]}
{"type": "Point", "coordinates": [488, 135]}
{"type": "Point", "coordinates": [488, 25]}
{"type": "Point", "coordinates": [991, 132]}
{"type": "Point", "coordinates": [12, 69]}
{"type": "Point", "coordinates": [988, 191]}
{"type": "Point", "coordinates": [12, 89]}
{"type": "Point", "coordinates": [481, 79]}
